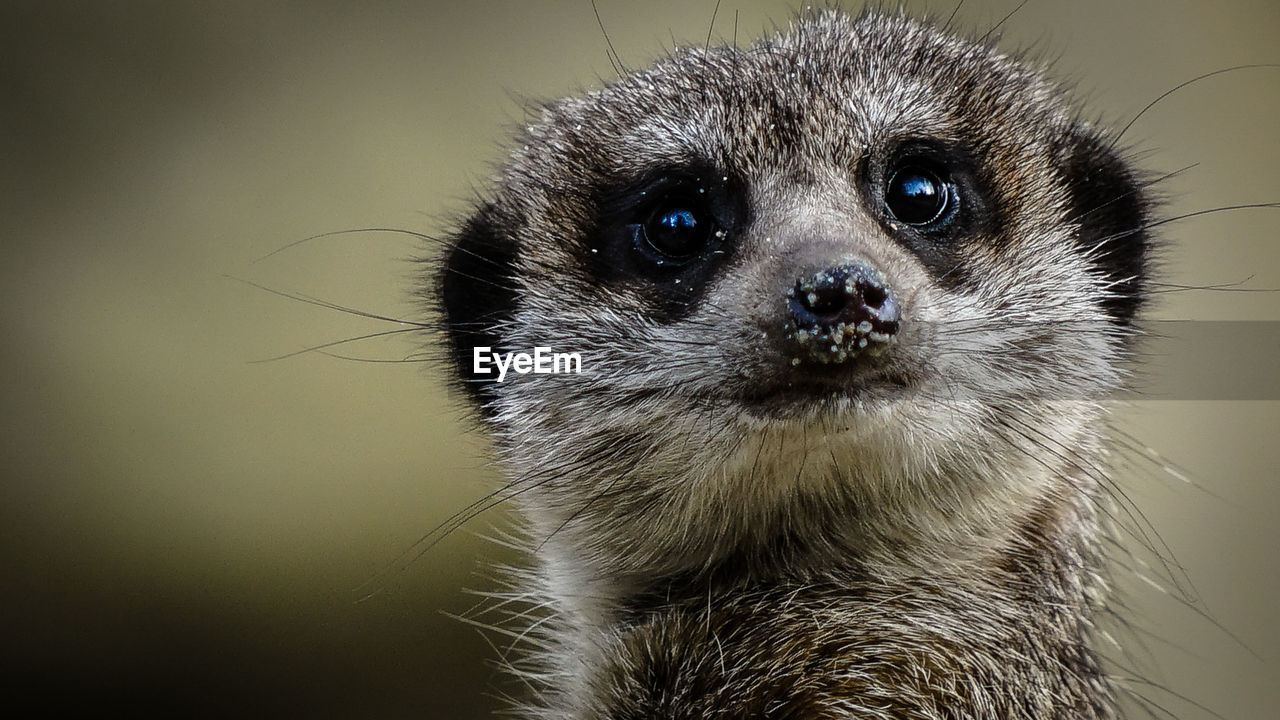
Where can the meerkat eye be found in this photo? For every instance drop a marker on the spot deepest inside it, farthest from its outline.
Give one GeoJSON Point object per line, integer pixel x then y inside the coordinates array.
{"type": "Point", "coordinates": [678, 228]}
{"type": "Point", "coordinates": [920, 196]}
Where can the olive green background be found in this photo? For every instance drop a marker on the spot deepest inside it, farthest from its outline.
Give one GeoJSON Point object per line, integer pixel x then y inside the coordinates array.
{"type": "Point", "coordinates": [185, 531]}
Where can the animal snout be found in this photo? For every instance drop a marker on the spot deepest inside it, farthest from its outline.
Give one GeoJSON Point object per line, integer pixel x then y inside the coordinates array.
{"type": "Point", "coordinates": [843, 311]}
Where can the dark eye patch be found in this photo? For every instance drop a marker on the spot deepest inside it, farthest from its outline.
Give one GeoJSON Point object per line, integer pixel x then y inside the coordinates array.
{"type": "Point", "coordinates": [932, 197]}
{"type": "Point", "coordinates": [665, 234]}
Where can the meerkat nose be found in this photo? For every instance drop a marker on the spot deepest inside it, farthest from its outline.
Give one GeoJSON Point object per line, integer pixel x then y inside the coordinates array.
{"type": "Point", "coordinates": [843, 310]}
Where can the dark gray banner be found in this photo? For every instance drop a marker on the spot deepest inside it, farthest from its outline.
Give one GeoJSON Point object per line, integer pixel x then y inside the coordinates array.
{"type": "Point", "coordinates": [1207, 360]}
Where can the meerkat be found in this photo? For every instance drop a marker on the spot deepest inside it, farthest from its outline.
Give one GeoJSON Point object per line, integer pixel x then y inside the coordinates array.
{"type": "Point", "coordinates": [848, 303]}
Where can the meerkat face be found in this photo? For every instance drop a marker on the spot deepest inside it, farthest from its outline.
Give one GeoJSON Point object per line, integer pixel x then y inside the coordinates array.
{"type": "Point", "coordinates": [856, 264]}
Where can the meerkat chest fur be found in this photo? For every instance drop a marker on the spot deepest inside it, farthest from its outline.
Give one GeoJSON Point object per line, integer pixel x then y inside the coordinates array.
{"type": "Point", "coordinates": [847, 303]}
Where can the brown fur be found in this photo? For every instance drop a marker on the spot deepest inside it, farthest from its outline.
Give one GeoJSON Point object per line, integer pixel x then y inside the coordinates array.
{"type": "Point", "coordinates": [715, 537]}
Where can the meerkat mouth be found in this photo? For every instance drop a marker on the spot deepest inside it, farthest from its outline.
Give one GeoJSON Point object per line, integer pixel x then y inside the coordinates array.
{"type": "Point", "coordinates": [844, 394]}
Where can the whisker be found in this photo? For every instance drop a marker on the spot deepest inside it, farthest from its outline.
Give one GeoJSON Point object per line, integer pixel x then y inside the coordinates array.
{"type": "Point", "coordinates": [1182, 85]}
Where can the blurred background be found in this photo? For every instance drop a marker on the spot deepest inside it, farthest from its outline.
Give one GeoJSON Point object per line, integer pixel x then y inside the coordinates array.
{"type": "Point", "coordinates": [189, 532]}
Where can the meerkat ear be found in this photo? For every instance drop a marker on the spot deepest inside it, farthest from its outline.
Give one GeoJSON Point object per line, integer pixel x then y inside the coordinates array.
{"type": "Point", "coordinates": [476, 295]}
{"type": "Point", "coordinates": [1110, 204]}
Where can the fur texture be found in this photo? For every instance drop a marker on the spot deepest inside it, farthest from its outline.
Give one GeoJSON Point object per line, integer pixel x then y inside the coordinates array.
{"type": "Point", "coordinates": [723, 527]}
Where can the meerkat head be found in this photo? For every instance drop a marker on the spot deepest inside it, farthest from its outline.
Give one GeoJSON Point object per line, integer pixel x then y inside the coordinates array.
{"type": "Point", "coordinates": [838, 284]}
